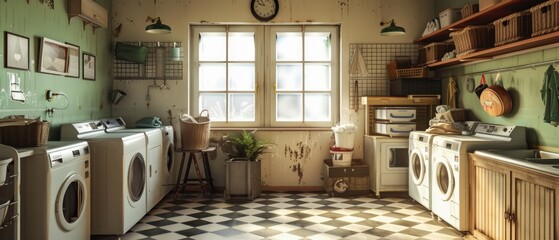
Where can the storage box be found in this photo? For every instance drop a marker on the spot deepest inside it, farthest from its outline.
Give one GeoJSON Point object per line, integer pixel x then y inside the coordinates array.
{"type": "Point", "coordinates": [513, 27]}
{"type": "Point", "coordinates": [415, 86]}
{"type": "Point", "coordinates": [545, 17]}
{"type": "Point", "coordinates": [449, 16]}
{"type": "Point", "coordinates": [435, 51]}
{"type": "Point", "coordinates": [394, 129]}
{"type": "Point", "coordinates": [346, 181]}
{"type": "Point", "coordinates": [395, 114]}
{"type": "Point", "coordinates": [24, 132]}
{"type": "Point", "coordinates": [473, 38]}
{"type": "Point", "coordinates": [483, 4]}
{"type": "Point", "coordinates": [469, 9]}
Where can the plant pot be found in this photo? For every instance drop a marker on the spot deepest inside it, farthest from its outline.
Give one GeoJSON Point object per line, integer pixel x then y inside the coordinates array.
{"type": "Point", "coordinates": [242, 179]}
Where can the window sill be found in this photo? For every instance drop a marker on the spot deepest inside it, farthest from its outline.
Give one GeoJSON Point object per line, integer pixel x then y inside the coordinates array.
{"type": "Point", "coordinates": [268, 129]}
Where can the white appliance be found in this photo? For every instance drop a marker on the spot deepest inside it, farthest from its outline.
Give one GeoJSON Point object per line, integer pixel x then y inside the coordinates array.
{"type": "Point", "coordinates": [118, 176]}
{"type": "Point", "coordinates": [170, 169]}
{"type": "Point", "coordinates": [55, 192]}
{"type": "Point", "coordinates": [419, 179]}
{"type": "Point", "coordinates": [449, 169]}
{"type": "Point", "coordinates": [387, 158]}
{"type": "Point", "coordinates": [154, 161]}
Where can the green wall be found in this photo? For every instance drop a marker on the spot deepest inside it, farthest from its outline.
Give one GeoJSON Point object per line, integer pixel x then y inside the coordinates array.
{"type": "Point", "coordinates": [87, 99]}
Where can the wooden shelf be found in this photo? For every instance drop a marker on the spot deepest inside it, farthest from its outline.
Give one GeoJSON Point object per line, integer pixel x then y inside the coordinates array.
{"type": "Point", "coordinates": [487, 16]}
{"type": "Point", "coordinates": [538, 41]}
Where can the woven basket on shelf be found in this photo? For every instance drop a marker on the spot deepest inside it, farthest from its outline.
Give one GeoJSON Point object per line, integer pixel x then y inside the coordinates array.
{"type": "Point", "coordinates": [512, 28]}
{"type": "Point", "coordinates": [418, 72]}
{"type": "Point", "coordinates": [195, 131]}
{"type": "Point", "coordinates": [469, 9]}
{"type": "Point", "coordinates": [435, 51]}
{"type": "Point", "coordinates": [24, 132]}
{"type": "Point", "coordinates": [545, 17]}
{"type": "Point", "coordinates": [473, 38]}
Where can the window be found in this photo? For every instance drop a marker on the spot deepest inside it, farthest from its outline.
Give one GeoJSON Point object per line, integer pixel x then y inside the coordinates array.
{"type": "Point", "coordinates": [265, 75]}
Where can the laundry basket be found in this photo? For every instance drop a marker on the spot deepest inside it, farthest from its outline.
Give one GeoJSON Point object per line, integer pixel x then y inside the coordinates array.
{"type": "Point", "coordinates": [195, 131]}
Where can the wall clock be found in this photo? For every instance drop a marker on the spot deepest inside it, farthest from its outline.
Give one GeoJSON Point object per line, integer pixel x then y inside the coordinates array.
{"type": "Point", "coordinates": [264, 10]}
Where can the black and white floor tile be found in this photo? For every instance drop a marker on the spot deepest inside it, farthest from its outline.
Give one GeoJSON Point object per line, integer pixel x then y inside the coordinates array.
{"type": "Point", "coordinates": [285, 216]}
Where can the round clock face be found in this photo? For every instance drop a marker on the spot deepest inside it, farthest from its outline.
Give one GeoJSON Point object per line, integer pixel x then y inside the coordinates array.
{"type": "Point", "coordinates": [264, 10]}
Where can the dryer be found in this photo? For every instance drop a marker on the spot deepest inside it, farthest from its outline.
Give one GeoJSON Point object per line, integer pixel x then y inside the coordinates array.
{"type": "Point", "coordinates": [155, 191]}
{"type": "Point", "coordinates": [55, 192]}
{"type": "Point", "coordinates": [118, 176]}
{"type": "Point", "coordinates": [449, 169]}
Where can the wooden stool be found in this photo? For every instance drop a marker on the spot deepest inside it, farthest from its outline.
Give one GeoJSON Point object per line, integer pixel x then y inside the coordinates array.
{"type": "Point", "coordinates": [206, 184]}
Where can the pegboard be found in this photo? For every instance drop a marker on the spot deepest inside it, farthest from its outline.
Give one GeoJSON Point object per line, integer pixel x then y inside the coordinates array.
{"type": "Point", "coordinates": [160, 63]}
{"type": "Point", "coordinates": [376, 56]}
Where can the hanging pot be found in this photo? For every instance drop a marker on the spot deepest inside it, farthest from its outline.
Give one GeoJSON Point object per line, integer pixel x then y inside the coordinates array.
{"type": "Point", "coordinates": [482, 86]}
{"type": "Point", "coordinates": [495, 100]}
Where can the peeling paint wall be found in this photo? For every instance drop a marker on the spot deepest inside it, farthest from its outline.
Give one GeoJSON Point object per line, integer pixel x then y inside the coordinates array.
{"type": "Point", "coordinates": [87, 99]}
{"type": "Point", "coordinates": [297, 157]}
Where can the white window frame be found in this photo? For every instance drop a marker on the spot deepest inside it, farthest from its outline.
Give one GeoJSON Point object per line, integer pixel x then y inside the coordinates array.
{"type": "Point", "coordinates": [265, 72]}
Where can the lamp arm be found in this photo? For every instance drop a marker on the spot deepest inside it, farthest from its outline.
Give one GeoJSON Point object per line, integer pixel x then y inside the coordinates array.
{"type": "Point", "coordinates": [150, 19]}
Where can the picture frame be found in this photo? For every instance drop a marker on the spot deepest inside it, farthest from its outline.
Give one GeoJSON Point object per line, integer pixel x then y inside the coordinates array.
{"type": "Point", "coordinates": [88, 66]}
{"type": "Point", "coordinates": [73, 59]}
{"type": "Point", "coordinates": [16, 49]}
{"type": "Point", "coordinates": [53, 57]}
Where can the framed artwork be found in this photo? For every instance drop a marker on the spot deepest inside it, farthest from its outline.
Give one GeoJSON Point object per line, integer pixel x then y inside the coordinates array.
{"type": "Point", "coordinates": [73, 59]}
{"type": "Point", "coordinates": [16, 49]}
{"type": "Point", "coordinates": [88, 66]}
{"type": "Point", "coordinates": [53, 57]}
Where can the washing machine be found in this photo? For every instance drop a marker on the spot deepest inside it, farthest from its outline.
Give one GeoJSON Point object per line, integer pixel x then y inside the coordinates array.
{"type": "Point", "coordinates": [170, 169]}
{"type": "Point", "coordinates": [55, 191]}
{"type": "Point", "coordinates": [419, 179]}
{"type": "Point", "coordinates": [449, 169]}
{"type": "Point", "coordinates": [118, 176]}
{"type": "Point", "coordinates": [155, 190]}
{"type": "Point", "coordinates": [387, 158]}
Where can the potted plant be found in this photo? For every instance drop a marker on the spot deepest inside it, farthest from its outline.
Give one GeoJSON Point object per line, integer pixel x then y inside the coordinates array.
{"type": "Point", "coordinates": [242, 168]}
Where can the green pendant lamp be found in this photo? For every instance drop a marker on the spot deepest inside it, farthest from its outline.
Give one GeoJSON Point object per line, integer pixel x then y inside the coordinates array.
{"type": "Point", "coordinates": [392, 29]}
{"type": "Point", "coordinates": [157, 27]}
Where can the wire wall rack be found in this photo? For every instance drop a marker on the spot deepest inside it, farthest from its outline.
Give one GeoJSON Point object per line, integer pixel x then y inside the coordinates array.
{"type": "Point", "coordinates": [375, 57]}
{"type": "Point", "coordinates": [163, 62]}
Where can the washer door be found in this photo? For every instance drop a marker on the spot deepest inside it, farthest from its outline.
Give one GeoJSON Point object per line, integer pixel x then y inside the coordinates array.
{"type": "Point", "coordinates": [444, 178]}
{"type": "Point", "coordinates": [71, 202]}
{"type": "Point", "coordinates": [136, 177]}
{"type": "Point", "coordinates": [417, 167]}
{"type": "Point", "coordinates": [170, 158]}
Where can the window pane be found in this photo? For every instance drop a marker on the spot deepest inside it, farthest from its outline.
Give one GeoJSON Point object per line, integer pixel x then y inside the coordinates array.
{"type": "Point", "coordinates": [212, 46]}
{"type": "Point", "coordinates": [215, 103]}
{"type": "Point", "coordinates": [289, 77]}
{"type": "Point", "coordinates": [211, 76]}
{"type": "Point", "coordinates": [317, 77]}
{"type": "Point", "coordinates": [289, 46]}
{"type": "Point", "coordinates": [317, 46]}
{"type": "Point", "coordinates": [241, 107]}
{"type": "Point", "coordinates": [317, 107]}
{"type": "Point", "coordinates": [289, 107]}
{"type": "Point", "coordinates": [241, 46]}
{"type": "Point", "coordinates": [241, 77]}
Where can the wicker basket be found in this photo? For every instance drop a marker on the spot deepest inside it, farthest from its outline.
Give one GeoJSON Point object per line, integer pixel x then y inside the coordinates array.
{"type": "Point", "coordinates": [545, 17]}
{"type": "Point", "coordinates": [473, 38]}
{"type": "Point", "coordinates": [418, 72]}
{"type": "Point", "coordinates": [512, 28]}
{"type": "Point", "coordinates": [24, 132]}
{"type": "Point", "coordinates": [469, 9]}
{"type": "Point", "coordinates": [435, 51]}
{"type": "Point", "coordinates": [195, 132]}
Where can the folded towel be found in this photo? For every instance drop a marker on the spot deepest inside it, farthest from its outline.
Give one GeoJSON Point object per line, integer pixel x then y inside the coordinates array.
{"type": "Point", "coordinates": [149, 122]}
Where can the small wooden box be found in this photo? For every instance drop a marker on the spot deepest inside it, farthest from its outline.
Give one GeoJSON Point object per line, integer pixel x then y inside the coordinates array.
{"type": "Point", "coordinates": [346, 181]}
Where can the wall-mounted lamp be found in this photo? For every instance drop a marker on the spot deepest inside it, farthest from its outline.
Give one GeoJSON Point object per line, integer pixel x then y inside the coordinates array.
{"type": "Point", "coordinates": [157, 27]}
{"type": "Point", "coordinates": [392, 29]}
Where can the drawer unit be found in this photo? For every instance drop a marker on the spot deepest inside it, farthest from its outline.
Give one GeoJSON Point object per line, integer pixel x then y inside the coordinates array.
{"type": "Point", "coordinates": [394, 129]}
{"type": "Point", "coordinates": [346, 181]}
{"type": "Point", "coordinates": [395, 114]}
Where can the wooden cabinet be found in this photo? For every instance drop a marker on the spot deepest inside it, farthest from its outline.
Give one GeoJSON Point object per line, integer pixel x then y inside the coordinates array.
{"type": "Point", "coordinates": [89, 11]}
{"type": "Point", "coordinates": [512, 202]}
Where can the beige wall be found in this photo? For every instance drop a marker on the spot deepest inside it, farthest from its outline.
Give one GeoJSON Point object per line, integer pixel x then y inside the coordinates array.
{"type": "Point", "coordinates": [359, 21]}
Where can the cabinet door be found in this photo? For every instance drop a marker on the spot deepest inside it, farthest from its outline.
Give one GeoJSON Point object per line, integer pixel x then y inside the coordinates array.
{"type": "Point", "coordinates": [489, 201]}
{"type": "Point", "coordinates": [534, 201]}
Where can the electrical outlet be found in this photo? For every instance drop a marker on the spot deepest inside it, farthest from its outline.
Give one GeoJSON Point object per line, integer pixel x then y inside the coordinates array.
{"type": "Point", "coordinates": [49, 95]}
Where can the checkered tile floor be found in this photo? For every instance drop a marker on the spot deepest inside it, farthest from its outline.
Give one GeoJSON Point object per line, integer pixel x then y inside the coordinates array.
{"type": "Point", "coordinates": [290, 216]}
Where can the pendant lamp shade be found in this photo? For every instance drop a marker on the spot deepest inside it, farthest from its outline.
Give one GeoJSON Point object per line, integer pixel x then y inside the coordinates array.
{"type": "Point", "coordinates": [157, 27]}
{"type": "Point", "coordinates": [392, 29]}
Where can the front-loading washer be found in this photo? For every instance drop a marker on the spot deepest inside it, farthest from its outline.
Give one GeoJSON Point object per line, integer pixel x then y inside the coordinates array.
{"type": "Point", "coordinates": [419, 178]}
{"type": "Point", "coordinates": [118, 176]}
{"type": "Point", "coordinates": [55, 191]}
{"type": "Point", "coordinates": [449, 168]}
{"type": "Point", "coordinates": [170, 169]}
{"type": "Point", "coordinates": [155, 189]}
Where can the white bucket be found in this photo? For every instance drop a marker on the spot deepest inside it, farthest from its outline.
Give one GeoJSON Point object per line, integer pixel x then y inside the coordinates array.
{"type": "Point", "coordinates": [344, 135]}
{"type": "Point", "coordinates": [4, 169]}
{"type": "Point", "coordinates": [341, 158]}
